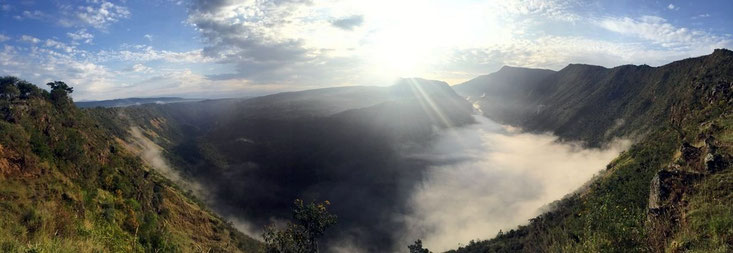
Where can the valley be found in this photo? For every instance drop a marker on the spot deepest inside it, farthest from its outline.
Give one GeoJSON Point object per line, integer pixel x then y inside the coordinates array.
{"type": "Point", "coordinates": [592, 157]}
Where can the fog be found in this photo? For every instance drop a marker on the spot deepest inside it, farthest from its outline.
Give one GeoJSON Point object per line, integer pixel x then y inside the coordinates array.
{"type": "Point", "coordinates": [468, 183]}
{"type": "Point", "coordinates": [152, 154]}
{"type": "Point", "coordinates": [487, 177]}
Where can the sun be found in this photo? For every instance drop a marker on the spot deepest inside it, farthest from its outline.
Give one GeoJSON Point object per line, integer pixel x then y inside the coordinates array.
{"type": "Point", "coordinates": [411, 37]}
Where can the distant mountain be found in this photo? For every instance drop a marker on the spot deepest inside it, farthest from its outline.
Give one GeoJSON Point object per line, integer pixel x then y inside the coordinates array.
{"type": "Point", "coordinates": [346, 145]}
{"type": "Point", "coordinates": [501, 95]}
{"type": "Point", "coordinates": [122, 102]}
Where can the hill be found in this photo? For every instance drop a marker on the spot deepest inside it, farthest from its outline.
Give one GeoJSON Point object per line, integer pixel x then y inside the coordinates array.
{"type": "Point", "coordinates": [670, 192]}
{"type": "Point", "coordinates": [67, 185]}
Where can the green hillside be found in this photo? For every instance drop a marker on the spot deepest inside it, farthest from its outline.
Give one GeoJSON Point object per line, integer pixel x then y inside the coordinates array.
{"type": "Point", "coordinates": [670, 192]}
{"type": "Point", "coordinates": [596, 104]}
{"type": "Point", "coordinates": [66, 185]}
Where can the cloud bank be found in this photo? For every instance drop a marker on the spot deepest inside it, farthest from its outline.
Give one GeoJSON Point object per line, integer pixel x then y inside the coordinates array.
{"type": "Point", "coordinates": [487, 177]}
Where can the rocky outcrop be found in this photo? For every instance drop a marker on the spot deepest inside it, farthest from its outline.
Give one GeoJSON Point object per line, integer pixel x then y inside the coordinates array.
{"type": "Point", "coordinates": [666, 205]}
{"type": "Point", "coordinates": [667, 188]}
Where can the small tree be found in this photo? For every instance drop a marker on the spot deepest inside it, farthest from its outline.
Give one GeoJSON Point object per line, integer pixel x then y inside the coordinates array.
{"type": "Point", "coordinates": [417, 247]}
{"type": "Point", "coordinates": [311, 221]}
{"type": "Point", "coordinates": [60, 92]}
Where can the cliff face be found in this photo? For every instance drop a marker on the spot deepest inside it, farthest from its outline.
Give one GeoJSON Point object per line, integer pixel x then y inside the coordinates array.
{"type": "Point", "coordinates": [67, 185]}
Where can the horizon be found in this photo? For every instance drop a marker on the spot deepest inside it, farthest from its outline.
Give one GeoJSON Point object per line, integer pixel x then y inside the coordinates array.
{"type": "Point", "coordinates": [121, 49]}
{"type": "Point", "coordinates": [394, 82]}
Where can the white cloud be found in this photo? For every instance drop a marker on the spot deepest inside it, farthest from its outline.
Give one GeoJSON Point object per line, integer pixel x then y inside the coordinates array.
{"type": "Point", "coordinates": [30, 39]}
{"type": "Point", "coordinates": [704, 15]}
{"type": "Point", "coordinates": [81, 35]}
{"type": "Point", "coordinates": [553, 9]}
{"type": "Point", "coordinates": [89, 73]}
{"type": "Point", "coordinates": [141, 68]}
{"type": "Point", "coordinates": [673, 7]}
{"type": "Point", "coordinates": [4, 37]}
{"type": "Point", "coordinates": [660, 32]}
{"type": "Point", "coordinates": [99, 14]}
{"type": "Point", "coordinates": [143, 53]}
{"type": "Point", "coordinates": [59, 45]}
{"type": "Point", "coordinates": [41, 65]}
{"type": "Point", "coordinates": [149, 37]}
{"type": "Point", "coordinates": [31, 15]}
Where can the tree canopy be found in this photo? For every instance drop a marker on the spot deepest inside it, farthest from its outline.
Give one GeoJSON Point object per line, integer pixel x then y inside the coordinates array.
{"type": "Point", "coordinates": [311, 221]}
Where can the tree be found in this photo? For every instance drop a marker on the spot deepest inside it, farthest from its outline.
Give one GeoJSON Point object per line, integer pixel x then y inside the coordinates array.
{"type": "Point", "coordinates": [28, 90]}
{"type": "Point", "coordinates": [60, 91]}
{"type": "Point", "coordinates": [417, 247]}
{"type": "Point", "coordinates": [8, 88]}
{"type": "Point", "coordinates": [311, 221]}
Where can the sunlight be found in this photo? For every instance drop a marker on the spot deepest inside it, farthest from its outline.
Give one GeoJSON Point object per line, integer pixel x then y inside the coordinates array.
{"type": "Point", "coordinates": [411, 37]}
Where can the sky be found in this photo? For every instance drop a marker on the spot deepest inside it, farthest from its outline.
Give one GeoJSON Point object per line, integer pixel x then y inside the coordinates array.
{"type": "Point", "coordinates": [225, 48]}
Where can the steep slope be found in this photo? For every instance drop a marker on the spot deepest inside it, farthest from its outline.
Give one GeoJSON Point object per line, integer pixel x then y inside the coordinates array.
{"type": "Point", "coordinates": [670, 192]}
{"type": "Point", "coordinates": [66, 185]}
{"type": "Point", "coordinates": [595, 104]}
{"type": "Point", "coordinates": [344, 145]}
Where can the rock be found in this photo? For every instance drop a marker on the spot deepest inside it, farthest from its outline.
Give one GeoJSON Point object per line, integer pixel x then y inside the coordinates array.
{"type": "Point", "coordinates": [715, 162]}
{"type": "Point", "coordinates": [666, 205]}
{"type": "Point", "coordinates": [667, 187]}
{"type": "Point", "coordinates": [691, 156]}
{"type": "Point", "coordinates": [690, 153]}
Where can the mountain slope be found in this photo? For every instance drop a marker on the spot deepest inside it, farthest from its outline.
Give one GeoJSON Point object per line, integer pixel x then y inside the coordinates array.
{"type": "Point", "coordinates": [345, 145]}
{"type": "Point", "coordinates": [67, 186]}
{"type": "Point", "coordinates": [502, 94]}
{"type": "Point", "coordinates": [595, 104]}
{"type": "Point", "coordinates": [670, 192]}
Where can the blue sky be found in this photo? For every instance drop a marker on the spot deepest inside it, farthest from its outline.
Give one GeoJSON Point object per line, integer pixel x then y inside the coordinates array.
{"type": "Point", "coordinates": [225, 48]}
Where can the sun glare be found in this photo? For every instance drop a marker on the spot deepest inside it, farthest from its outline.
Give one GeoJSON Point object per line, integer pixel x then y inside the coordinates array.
{"type": "Point", "coordinates": [411, 37]}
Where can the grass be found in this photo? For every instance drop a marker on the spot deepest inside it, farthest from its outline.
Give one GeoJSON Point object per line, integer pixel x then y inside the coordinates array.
{"type": "Point", "coordinates": [67, 186]}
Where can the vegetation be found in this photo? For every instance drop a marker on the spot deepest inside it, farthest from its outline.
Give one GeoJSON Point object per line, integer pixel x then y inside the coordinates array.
{"type": "Point", "coordinates": [311, 221]}
{"type": "Point", "coordinates": [417, 247]}
{"type": "Point", "coordinates": [692, 109]}
{"type": "Point", "coordinates": [67, 186]}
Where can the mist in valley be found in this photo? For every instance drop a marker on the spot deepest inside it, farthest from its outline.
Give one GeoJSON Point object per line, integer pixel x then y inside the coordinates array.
{"type": "Point", "coordinates": [487, 177]}
{"type": "Point", "coordinates": [447, 187]}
